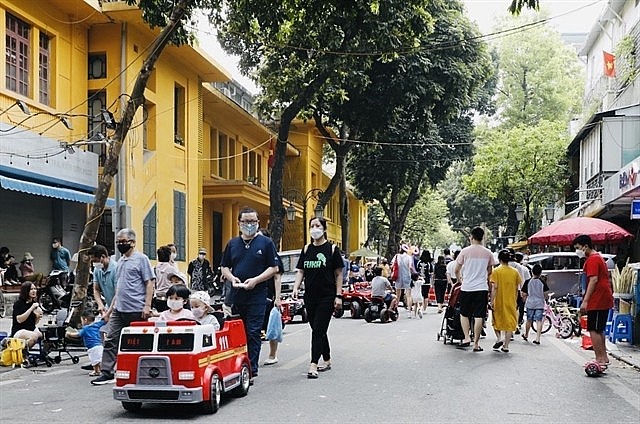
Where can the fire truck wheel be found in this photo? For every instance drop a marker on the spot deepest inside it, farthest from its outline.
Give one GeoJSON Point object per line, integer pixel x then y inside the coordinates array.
{"type": "Point", "coordinates": [132, 406]}
{"type": "Point", "coordinates": [243, 388]}
{"type": "Point", "coordinates": [304, 316]}
{"type": "Point", "coordinates": [215, 394]}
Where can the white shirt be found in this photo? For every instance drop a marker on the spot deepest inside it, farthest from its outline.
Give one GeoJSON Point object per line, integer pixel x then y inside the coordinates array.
{"type": "Point", "coordinates": [476, 260]}
{"type": "Point", "coordinates": [451, 269]}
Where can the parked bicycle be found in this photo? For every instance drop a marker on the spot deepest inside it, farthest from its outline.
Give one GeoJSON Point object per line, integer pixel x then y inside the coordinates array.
{"type": "Point", "coordinates": [562, 323]}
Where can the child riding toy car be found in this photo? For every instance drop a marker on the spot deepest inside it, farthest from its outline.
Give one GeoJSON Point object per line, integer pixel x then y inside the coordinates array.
{"type": "Point", "coordinates": [181, 362]}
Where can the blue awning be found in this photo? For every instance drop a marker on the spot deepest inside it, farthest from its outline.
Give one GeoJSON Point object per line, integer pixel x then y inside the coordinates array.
{"type": "Point", "coordinates": [48, 191]}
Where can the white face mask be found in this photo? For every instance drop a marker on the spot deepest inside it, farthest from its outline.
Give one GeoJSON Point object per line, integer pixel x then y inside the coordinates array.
{"type": "Point", "coordinates": [198, 312]}
{"type": "Point", "coordinates": [174, 256]}
{"type": "Point", "coordinates": [580, 253]}
{"type": "Point", "coordinates": [175, 304]}
{"type": "Point", "coordinates": [316, 233]}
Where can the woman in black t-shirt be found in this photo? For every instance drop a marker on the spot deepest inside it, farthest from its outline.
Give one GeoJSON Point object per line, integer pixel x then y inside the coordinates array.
{"type": "Point", "coordinates": [320, 265]}
{"type": "Point", "coordinates": [26, 314]}
{"type": "Point", "coordinates": [440, 281]}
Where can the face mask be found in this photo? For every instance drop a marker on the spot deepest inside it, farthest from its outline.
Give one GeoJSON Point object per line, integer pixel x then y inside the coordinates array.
{"type": "Point", "coordinates": [580, 253]}
{"type": "Point", "coordinates": [316, 233]}
{"type": "Point", "coordinates": [198, 312]}
{"type": "Point", "coordinates": [174, 256]}
{"type": "Point", "coordinates": [123, 248]}
{"type": "Point", "coordinates": [201, 257]}
{"type": "Point", "coordinates": [174, 304]}
{"type": "Point", "coordinates": [249, 230]}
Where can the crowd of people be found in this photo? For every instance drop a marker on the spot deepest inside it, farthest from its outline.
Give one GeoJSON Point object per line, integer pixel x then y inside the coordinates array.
{"type": "Point", "coordinates": [131, 289]}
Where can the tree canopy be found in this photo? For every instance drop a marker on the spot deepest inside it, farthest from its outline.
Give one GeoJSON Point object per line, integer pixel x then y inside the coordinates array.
{"type": "Point", "coordinates": [521, 165]}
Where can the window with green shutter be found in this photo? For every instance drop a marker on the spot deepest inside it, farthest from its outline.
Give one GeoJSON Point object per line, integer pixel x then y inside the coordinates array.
{"type": "Point", "coordinates": [149, 231]}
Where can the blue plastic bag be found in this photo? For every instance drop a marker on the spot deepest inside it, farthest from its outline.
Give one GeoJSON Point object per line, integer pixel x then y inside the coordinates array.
{"type": "Point", "coordinates": [274, 326]}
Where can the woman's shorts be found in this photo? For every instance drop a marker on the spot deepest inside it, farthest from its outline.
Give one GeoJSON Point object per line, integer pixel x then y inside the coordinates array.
{"type": "Point", "coordinates": [535, 314]}
{"type": "Point", "coordinates": [597, 320]}
{"type": "Point", "coordinates": [474, 304]}
{"type": "Point", "coordinates": [95, 354]}
{"type": "Point", "coordinates": [425, 290]}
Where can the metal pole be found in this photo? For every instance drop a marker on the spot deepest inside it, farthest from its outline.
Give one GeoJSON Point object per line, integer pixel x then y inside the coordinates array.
{"type": "Point", "coordinates": [304, 220]}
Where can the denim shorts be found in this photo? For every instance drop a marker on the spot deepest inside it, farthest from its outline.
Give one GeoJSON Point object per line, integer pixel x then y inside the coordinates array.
{"type": "Point", "coordinates": [535, 314]}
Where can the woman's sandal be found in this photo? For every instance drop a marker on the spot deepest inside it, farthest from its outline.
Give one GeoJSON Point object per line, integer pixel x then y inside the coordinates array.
{"type": "Point", "coordinates": [323, 368]}
{"type": "Point", "coordinates": [478, 349]}
{"type": "Point", "coordinates": [504, 350]}
{"type": "Point", "coordinates": [312, 374]}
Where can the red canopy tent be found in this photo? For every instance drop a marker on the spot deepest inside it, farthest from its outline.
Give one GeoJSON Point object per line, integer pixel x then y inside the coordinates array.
{"type": "Point", "coordinates": [563, 232]}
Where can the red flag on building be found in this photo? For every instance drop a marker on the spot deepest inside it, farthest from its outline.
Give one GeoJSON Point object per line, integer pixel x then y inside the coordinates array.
{"type": "Point", "coordinates": [272, 155]}
{"type": "Point", "coordinates": [609, 64]}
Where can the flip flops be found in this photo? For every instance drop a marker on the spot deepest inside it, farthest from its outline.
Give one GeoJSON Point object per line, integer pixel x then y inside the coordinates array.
{"type": "Point", "coordinates": [462, 345]}
{"type": "Point", "coordinates": [497, 345]}
{"type": "Point", "coordinates": [478, 349]}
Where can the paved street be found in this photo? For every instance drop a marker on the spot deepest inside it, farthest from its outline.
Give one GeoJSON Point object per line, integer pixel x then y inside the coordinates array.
{"type": "Point", "coordinates": [394, 372]}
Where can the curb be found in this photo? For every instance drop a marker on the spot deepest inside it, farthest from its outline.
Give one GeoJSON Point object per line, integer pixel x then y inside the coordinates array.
{"type": "Point", "coordinates": [624, 359]}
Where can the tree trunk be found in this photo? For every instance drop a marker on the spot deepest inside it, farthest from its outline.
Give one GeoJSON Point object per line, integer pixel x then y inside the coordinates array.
{"type": "Point", "coordinates": [344, 214]}
{"type": "Point", "coordinates": [105, 181]}
{"type": "Point", "coordinates": [277, 211]}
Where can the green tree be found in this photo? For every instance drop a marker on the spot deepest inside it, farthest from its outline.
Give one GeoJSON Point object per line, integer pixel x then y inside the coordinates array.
{"type": "Point", "coordinates": [423, 123]}
{"type": "Point", "coordinates": [522, 165]}
{"type": "Point", "coordinates": [540, 77]}
{"type": "Point", "coordinates": [300, 53]}
{"type": "Point", "coordinates": [427, 224]}
{"type": "Point", "coordinates": [468, 209]}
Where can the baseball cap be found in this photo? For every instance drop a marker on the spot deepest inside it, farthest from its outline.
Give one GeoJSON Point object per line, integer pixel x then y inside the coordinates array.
{"type": "Point", "coordinates": [202, 251]}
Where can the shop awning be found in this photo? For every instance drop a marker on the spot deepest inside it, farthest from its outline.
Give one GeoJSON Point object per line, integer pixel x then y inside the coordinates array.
{"type": "Point", "coordinates": [49, 191]}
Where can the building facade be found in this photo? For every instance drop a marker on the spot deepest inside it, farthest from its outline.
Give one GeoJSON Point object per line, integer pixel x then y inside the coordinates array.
{"type": "Point", "coordinates": [605, 153]}
{"type": "Point", "coordinates": [193, 157]}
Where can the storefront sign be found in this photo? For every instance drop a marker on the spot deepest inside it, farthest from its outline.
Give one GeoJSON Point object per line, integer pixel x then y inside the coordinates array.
{"type": "Point", "coordinates": [635, 209]}
{"type": "Point", "coordinates": [34, 157]}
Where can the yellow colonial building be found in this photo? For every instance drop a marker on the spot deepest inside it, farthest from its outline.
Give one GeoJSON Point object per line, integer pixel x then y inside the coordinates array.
{"type": "Point", "coordinates": [192, 159]}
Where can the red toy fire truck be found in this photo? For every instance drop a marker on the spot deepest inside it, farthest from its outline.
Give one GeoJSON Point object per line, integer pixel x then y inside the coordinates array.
{"type": "Point", "coordinates": [181, 362]}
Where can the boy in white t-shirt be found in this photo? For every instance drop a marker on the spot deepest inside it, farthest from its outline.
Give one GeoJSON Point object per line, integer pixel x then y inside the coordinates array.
{"type": "Point", "coordinates": [416, 294]}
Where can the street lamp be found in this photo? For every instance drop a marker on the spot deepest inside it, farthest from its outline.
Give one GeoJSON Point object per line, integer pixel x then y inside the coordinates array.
{"type": "Point", "coordinates": [318, 211]}
{"type": "Point", "coordinates": [549, 212]}
{"type": "Point", "coordinates": [519, 213]}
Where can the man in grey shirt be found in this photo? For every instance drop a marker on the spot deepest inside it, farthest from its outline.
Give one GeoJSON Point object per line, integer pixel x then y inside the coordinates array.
{"type": "Point", "coordinates": [132, 301]}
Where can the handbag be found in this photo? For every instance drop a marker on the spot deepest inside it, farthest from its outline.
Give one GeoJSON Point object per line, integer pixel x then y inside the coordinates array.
{"type": "Point", "coordinates": [394, 270]}
{"type": "Point", "coordinates": [274, 326]}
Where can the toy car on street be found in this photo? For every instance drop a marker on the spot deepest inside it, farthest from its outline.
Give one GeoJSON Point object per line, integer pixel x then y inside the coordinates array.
{"type": "Point", "coordinates": [181, 362]}
{"type": "Point", "coordinates": [292, 307]}
{"type": "Point", "coordinates": [355, 300]}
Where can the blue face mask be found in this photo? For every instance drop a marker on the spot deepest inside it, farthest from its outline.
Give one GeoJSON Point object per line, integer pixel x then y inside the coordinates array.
{"type": "Point", "coordinates": [249, 230]}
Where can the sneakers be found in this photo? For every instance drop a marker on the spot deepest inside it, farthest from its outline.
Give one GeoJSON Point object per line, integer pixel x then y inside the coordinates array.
{"type": "Point", "coordinates": [104, 379]}
{"type": "Point", "coordinates": [87, 367]}
{"type": "Point", "coordinates": [271, 361]}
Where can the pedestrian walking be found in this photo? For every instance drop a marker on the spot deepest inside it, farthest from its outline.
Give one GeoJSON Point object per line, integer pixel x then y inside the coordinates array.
{"type": "Point", "coordinates": [132, 301]}
{"type": "Point", "coordinates": [505, 281]}
{"type": "Point", "coordinates": [404, 262]}
{"type": "Point", "coordinates": [440, 278]}
{"type": "Point", "coordinates": [200, 272]}
{"type": "Point", "coordinates": [425, 268]}
{"type": "Point", "coordinates": [104, 277]}
{"type": "Point", "coordinates": [274, 290]}
{"type": "Point", "coordinates": [249, 260]}
{"type": "Point", "coordinates": [473, 267]}
{"type": "Point", "coordinates": [320, 267]}
{"type": "Point", "coordinates": [534, 294]}
{"type": "Point", "coordinates": [60, 255]}
{"type": "Point", "coordinates": [598, 298]}
{"type": "Point", "coordinates": [92, 340]}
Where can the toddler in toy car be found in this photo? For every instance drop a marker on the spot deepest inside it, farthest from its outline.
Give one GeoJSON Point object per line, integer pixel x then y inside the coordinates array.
{"type": "Point", "coordinates": [177, 297]}
{"type": "Point", "coordinates": [201, 308]}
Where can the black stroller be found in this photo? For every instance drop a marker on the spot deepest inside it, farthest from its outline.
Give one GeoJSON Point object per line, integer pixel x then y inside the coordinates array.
{"type": "Point", "coordinates": [53, 341]}
{"type": "Point", "coordinates": [451, 328]}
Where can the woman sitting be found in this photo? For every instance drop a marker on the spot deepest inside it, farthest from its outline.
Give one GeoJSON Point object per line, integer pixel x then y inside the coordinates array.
{"type": "Point", "coordinates": [26, 314]}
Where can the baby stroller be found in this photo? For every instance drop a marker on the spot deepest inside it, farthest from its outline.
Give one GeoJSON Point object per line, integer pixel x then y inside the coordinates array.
{"type": "Point", "coordinates": [53, 340]}
{"type": "Point", "coordinates": [451, 328]}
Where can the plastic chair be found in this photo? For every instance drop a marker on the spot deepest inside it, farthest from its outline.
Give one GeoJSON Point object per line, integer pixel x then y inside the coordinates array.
{"type": "Point", "coordinates": [621, 328]}
{"type": "Point", "coordinates": [607, 329]}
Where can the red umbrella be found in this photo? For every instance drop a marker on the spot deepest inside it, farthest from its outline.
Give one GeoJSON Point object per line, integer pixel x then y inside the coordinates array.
{"type": "Point", "coordinates": [563, 232]}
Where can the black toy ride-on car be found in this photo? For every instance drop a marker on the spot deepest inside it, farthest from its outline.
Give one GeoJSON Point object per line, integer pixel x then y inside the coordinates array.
{"type": "Point", "coordinates": [379, 309]}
